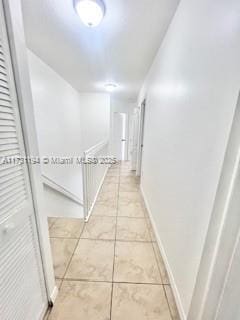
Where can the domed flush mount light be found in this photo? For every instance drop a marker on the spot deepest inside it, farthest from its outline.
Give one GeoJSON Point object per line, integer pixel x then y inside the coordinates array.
{"type": "Point", "coordinates": [91, 12]}
{"type": "Point", "coordinates": [110, 87]}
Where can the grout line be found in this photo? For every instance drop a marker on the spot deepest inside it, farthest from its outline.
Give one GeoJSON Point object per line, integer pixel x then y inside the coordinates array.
{"type": "Point", "coordinates": [110, 282]}
{"type": "Point", "coordinates": [109, 240]}
{"type": "Point", "coordinates": [114, 250]}
{"type": "Point", "coordinates": [73, 254]}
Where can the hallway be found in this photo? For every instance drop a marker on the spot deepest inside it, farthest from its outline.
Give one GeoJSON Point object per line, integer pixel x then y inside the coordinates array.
{"type": "Point", "coordinates": [110, 267]}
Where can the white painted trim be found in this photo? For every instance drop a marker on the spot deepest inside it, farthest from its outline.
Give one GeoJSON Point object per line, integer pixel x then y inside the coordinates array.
{"type": "Point", "coordinates": [142, 113]}
{"type": "Point", "coordinates": [95, 199]}
{"type": "Point", "coordinates": [165, 259]}
{"type": "Point", "coordinates": [57, 187]}
{"type": "Point", "coordinates": [53, 295]}
{"type": "Point", "coordinates": [95, 148]}
{"type": "Point", "coordinates": [222, 232]}
{"type": "Point", "coordinates": [18, 47]}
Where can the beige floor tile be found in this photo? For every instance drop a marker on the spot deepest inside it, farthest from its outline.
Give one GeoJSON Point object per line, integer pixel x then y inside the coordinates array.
{"type": "Point", "coordinates": [111, 179]}
{"type": "Point", "coordinates": [133, 210]}
{"type": "Point", "coordinates": [127, 173]}
{"type": "Point", "coordinates": [100, 228]}
{"type": "Point", "coordinates": [113, 173]}
{"type": "Point", "coordinates": [172, 304]}
{"type": "Point", "coordinates": [105, 209]}
{"type": "Point", "coordinates": [151, 231]}
{"type": "Point", "coordinates": [92, 260]}
{"type": "Point", "coordinates": [107, 203]}
{"type": "Point", "coordinates": [161, 265]}
{"type": "Point", "coordinates": [116, 168]}
{"type": "Point", "coordinates": [109, 187]}
{"type": "Point", "coordinates": [82, 301]}
{"type": "Point", "coordinates": [131, 229]}
{"type": "Point", "coordinates": [127, 198]}
{"type": "Point", "coordinates": [139, 301]}
{"type": "Point", "coordinates": [62, 250]}
{"type": "Point", "coordinates": [129, 187]}
{"type": "Point", "coordinates": [135, 262]}
{"type": "Point", "coordinates": [67, 228]}
{"type": "Point", "coordinates": [129, 179]}
{"type": "Point", "coordinates": [51, 222]}
{"type": "Point", "coordinates": [110, 197]}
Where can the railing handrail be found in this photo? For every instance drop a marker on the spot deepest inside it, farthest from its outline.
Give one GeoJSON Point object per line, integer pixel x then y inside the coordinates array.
{"type": "Point", "coordinates": [90, 178]}
{"type": "Point", "coordinates": [57, 187]}
{"type": "Point", "coordinates": [96, 147]}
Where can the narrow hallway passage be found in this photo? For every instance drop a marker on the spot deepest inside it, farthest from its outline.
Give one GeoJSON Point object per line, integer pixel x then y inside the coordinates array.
{"type": "Point", "coordinates": [110, 267]}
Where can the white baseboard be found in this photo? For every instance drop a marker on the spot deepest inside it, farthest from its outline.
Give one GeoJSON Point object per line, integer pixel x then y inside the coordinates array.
{"type": "Point", "coordinates": [54, 294]}
{"type": "Point", "coordinates": [165, 260]}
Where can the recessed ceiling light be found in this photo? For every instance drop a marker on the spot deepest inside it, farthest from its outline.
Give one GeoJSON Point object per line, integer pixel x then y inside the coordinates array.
{"type": "Point", "coordinates": [110, 87]}
{"type": "Point", "coordinates": [91, 12]}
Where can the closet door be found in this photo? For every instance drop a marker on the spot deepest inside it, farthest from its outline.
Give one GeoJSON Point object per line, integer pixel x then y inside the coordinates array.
{"type": "Point", "coordinates": [22, 287]}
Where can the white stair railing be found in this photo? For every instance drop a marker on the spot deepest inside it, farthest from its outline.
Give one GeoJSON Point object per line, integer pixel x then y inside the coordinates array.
{"type": "Point", "coordinates": [94, 168]}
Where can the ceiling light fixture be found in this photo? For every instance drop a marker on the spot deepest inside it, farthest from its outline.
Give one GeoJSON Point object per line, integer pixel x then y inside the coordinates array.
{"type": "Point", "coordinates": [91, 12]}
{"type": "Point", "coordinates": [110, 87]}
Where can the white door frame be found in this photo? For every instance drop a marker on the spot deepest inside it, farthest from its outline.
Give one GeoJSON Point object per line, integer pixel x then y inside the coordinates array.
{"type": "Point", "coordinates": [142, 112]}
{"type": "Point", "coordinates": [126, 133]}
{"type": "Point", "coordinates": [135, 129]}
{"type": "Point", "coordinates": [222, 237]}
{"type": "Point", "coordinates": [14, 20]}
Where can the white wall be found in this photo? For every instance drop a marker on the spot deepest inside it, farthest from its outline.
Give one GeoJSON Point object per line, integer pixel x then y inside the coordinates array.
{"type": "Point", "coordinates": [191, 91]}
{"type": "Point", "coordinates": [58, 121]}
{"type": "Point", "coordinates": [95, 118]}
{"type": "Point", "coordinates": [68, 123]}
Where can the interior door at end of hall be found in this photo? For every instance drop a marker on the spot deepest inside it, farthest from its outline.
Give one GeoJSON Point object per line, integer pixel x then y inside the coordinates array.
{"type": "Point", "coordinates": [120, 135]}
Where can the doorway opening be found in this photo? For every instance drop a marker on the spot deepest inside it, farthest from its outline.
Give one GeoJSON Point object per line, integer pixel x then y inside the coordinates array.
{"type": "Point", "coordinates": [120, 136]}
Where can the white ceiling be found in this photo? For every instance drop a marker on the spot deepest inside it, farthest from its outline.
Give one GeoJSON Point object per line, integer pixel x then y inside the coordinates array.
{"type": "Point", "coordinates": [121, 49]}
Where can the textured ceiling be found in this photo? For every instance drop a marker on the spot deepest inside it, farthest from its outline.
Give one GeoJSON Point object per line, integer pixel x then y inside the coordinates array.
{"type": "Point", "coordinates": [120, 49]}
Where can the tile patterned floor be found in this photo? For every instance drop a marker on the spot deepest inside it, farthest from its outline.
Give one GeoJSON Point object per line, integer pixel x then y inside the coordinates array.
{"type": "Point", "coordinates": [110, 268]}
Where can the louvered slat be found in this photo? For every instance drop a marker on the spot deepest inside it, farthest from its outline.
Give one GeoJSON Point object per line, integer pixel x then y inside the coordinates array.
{"type": "Point", "coordinates": [10, 153]}
{"type": "Point", "coordinates": [12, 189]}
{"type": "Point", "coordinates": [6, 104]}
{"type": "Point", "coordinates": [9, 169]}
{"type": "Point", "coordinates": [22, 289]}
{"type": "Point", "coordinates": [11, 134]}
{"type": "Point", "coordinates": [4, 90]}
{"type": "Point", "coordinates": [7, 129]}
{"type": "Point", "coordinates": [7, 123]}
{"type": "Point", "coordinates": [8, 140]}
{"type": "Point", "coordinates": [11, 182]}
{"type": "Point", "coordinates": [4, 84]}
{"type": "Point", "coordinates": [4, 97]}
{"type": "Point", "coordinates": [11, 199]}
{"type": "Point", "coordinates": [6, 176]}
{"type": "Point", "coordinates": [20, 275]}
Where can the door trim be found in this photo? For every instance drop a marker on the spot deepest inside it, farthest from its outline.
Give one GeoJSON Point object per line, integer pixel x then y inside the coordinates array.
{"type": "Point", "coordinates": [17, 44]}
{"type": "Point", "coordinates": [141, 137]}
{"type": "Point", "coordinates": [222, 233]}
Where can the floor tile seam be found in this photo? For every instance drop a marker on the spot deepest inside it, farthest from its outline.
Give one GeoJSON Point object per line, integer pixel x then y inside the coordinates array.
{"type": "Point", "coordinates": [112, 282]}
{"type": "Point", "coordinates": [75, 248]}
{"type": "Point", "coordinates": [114, 249]}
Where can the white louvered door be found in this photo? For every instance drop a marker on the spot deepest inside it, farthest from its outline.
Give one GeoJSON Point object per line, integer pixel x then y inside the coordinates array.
{"type": "Point", "coordinates": [22, 287]}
